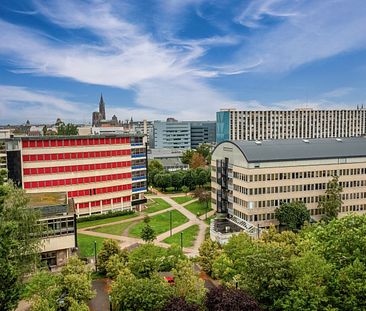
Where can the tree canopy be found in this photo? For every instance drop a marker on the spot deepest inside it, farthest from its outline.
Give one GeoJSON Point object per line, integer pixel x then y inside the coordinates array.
{"type": "Point", "coordinates": [293, 215]}
{"type": "Point", "coordinates": [331, 202]}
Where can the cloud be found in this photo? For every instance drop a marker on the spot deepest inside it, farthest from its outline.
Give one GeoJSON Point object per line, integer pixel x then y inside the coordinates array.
{"type": "Point", "coordinates": [339, 92]}
{"type": "Point", "coordinates": [17, 104]}
{"type": "Point", "coordinates": [307, 31]}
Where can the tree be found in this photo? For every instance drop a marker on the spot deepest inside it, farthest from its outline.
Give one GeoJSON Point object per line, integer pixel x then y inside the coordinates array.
{"type": "Point", "coordinates": [185, 189]}
{"type": "Point", "coordinates": [109, 248]}
{"type": "Point", "coordinates": [154, 168]}
{"type": "Point", "coordinates": [19, 243]}
{"type": "Point", "coordinates": [293, 215]}
{"type": "Point", "coordinates": [189, 179]}
{"type": "Point", "coordinates": [197, 161]}
{"type": "Point", "coordinates": [187, 156]}
{"type": "Point", "coordinates": [179, 304]}
{"type": "Point", "coordinates": [177, 178]}
{"type": "Point", "coordinates": [69, 129]}
{"type": "Point", "coordinates": [187, 283]}
{"type": "Point", "coordinates": [230, 299]}
{"type": "Point", "coordinates": [208, 253]}
{"type": "Point", "coordinates": [132, 293]}
{"type": "Point", "coordinates": [147, 233]}
{"type": "Point", "coordinates": [331, 202]}
{"type": "Point", "coordinates": [163, 180]}
{"type": "Point", "coordinates": [116, 264]}
{"type": "Point", "coordinates": [71, 289]}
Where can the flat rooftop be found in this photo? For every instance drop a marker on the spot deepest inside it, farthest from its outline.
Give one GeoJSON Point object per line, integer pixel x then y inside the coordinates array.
{"type": "Point", "coordinates": [46, 199]}
{"type": "Point", "coordinates": [301, 149]}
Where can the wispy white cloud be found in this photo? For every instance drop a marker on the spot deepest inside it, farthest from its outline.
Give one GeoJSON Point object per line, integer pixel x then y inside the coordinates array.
{"type": "Point", "coordinates": [20, 103]}
{"type": "Point", "coordinates": [339, 92]}
{"type": "Point", "coordinates": [311, 30]}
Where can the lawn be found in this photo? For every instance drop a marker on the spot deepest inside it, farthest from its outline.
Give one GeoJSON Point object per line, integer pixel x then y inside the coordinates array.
{"type": "Point", "coordinates": [198, 208]}
{"type": "Point", "coordinates": [182, 200]}
{"type": "Point", "coordinates": [116, 229]}
{"type": "Point", "coordinates": [155, 205]}
{"type": "Point", "coordinates": [189, 236]}
{"type": "Point", "coordinates": [86, 244]}
{"type": "Point", "coordinates": [97, 222]}
{"type": "Point", "coordinates": [160, 223]}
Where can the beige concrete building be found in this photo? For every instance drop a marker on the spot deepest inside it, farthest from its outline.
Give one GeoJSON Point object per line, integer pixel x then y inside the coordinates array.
{"type": "Point", "coordinates": [250, 179]}
{"type": "Point", "coordinates": [233, 124]}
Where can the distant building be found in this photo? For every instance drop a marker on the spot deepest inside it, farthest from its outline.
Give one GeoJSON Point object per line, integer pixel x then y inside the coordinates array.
{"type": "Point", "coordinates": [202, 132]}
{"type": "Point", "coordinates": [102, 107]}
{"type": "Point", "coordinates": [183, 134]}
{"type": "Point", "coordinates": [232, 124]}
{"type": "Point", "coordinates": [250, 179]}
{"type": "Point", "coordinates": [99, 116]}
{"type": "Point", "coordinates": [169, 158]}
{"type": "Point", "coordinates": [98, 173]}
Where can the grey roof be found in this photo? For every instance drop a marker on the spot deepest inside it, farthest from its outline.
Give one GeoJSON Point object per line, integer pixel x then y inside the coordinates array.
{"type": "Point", "coordinates": [302, 149]}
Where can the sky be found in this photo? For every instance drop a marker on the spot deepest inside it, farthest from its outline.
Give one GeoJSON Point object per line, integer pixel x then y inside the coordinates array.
{"type": "Point", "coordinates": [154, 59]}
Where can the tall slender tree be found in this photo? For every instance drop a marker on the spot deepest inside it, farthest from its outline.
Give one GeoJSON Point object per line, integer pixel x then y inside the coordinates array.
{"type": "Point", "coordinates": [331, 202]}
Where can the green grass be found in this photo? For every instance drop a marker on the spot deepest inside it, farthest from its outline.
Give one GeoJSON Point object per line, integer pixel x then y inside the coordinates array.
{"type": "Point", "coordinates": [86, 244]}
{"type": "Point", "coordinates": [155, 205]}
{"type": "Point", "coordinates": [182, 200]}
{"type": "Point", "coordinates": [160, 223]}
{"type": "Point", "coordinates": [189, 236]}
{"type": "Point", "coordinates": [116, 229]}
{"type": "Point", "coordinates": [198, 208]}
{"type": "Point", "coordinates": [92, 223]}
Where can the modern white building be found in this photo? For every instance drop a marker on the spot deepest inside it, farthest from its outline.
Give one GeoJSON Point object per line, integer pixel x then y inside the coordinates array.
{"type": "Point", "coordinates": [232, 124]}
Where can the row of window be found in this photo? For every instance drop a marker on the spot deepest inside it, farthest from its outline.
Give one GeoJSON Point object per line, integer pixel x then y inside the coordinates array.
{"type": "Point", "coordinates": [75, 155]}
{"type": "Point", "coordinates": [75, 168]}
{"type": "Point", "coordinates": [299, 175]}
{"type": "Point", "coordinates": [75, 181]}
{"type": "Point", "coordinates": [45, 143]}
{"type": "Point", "coordinates": [103, 202]}
{"type": "Point", "coordinates": [278, 202]}
{"type": "Point", "coordinates": [88, 192]}
{"type": "Point", "coordinates": [296, 188]}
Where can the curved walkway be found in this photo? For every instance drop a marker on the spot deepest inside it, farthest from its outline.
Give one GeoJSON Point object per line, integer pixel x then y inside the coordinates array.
{"type": "Point", "coordinates": [126, 241]}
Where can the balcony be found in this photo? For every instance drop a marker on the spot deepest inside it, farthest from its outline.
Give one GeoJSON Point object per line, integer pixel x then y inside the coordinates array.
{"type": "Point", "coordinates": [138, 178]}
{"type": "Point", "coordinates": [138, 155]}
{"type": "Point", "coordinates": [136, 167]}
{"type": "Point", "coordinates": [141, 189]}
{"type": "Point", "coordinates": [137, 144]}
{"type": "Point", "coordinates": [139, 201]}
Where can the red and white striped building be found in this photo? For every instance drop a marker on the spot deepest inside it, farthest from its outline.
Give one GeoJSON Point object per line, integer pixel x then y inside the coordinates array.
{"type": "Point", "coordinates": [98, 173]}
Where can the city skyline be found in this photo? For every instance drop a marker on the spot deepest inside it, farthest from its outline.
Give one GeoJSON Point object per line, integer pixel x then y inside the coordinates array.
{"type": "Point", "coordinates": [185, 60]}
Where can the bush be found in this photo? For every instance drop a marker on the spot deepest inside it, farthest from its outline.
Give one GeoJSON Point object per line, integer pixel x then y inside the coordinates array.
{"type": "Point", "coordinates": [109, 248]}
{"type": "Point", "coordinates": [104, 216]}
{"type": "Point", "coordinates": [170, 189]}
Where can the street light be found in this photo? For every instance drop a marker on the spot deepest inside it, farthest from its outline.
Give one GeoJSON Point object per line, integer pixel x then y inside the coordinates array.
{"type": "Point", "coordinates": [170, 221]}
{"type": "Point", "coordinates": [95, 255]}
{"type": "Point", "coordinates": [110, 302]}
{"type": "Point", "coordinates": [181, 240]}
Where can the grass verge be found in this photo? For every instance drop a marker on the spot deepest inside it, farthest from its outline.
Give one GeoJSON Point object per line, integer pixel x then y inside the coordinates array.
{"type": "Point", "coordinates": [182, 200]}
{"type": "Point", "coordinates": [189, 236]}
{"type": "Point", "coordinates": [198, 208]}
{"type": "Point", "coordinates": [116, 229]}
{"type": "Point", "coordinates": [160, 223]}
{"type": "Point", "coordinates": [155, 205]}
{"type": "Point", "coordinates": [86, 244]}
{"type": "Point", "coordinates": [97, 222]}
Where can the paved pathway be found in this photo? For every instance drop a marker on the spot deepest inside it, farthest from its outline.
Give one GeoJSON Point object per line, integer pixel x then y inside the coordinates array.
{"type": "Point", "coordinates": [101, 300]}
{"type": "Point", "coordinates": [128, 241]}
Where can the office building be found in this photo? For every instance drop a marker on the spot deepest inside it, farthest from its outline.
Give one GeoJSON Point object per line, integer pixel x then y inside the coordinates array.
{"type": "Point", "coordinates": [172, 134]}
{"type": "Point", "coordinates": [250, 179]}
{"type": "Point", "coordinates": [98, 173]}
{"type": "Point", "coordinates": [202, 133]}
{"type": "Point", "coordinates": [183, 134]}
{"type": "Point", "coordinates": [232, 124]}
{"type": "Point", "coordinates": [171, 159]}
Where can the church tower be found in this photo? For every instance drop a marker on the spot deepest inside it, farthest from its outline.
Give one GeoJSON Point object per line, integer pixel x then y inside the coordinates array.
{"type": "Point", "coordinates": [102, 107]}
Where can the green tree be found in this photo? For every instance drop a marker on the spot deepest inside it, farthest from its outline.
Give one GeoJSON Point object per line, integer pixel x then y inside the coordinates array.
{"type": "Point", "coordinates": [19, 243]}
{"type": "Point", "coordinates": [293, 215]}
{"type": "Point", "coordinates": [331, 202]}
{"type": "Point", "coordinates": [109, 248]}
{"type": "Point", "coordinates": [177, 179]}
{"type": "Point", "coordinates": [69, 129]}
{"type": "Point", "coordinates": [154, 167]}
{"type": "Point", "coordinates": [208, 253]}
{"type": "Point", "coordinates": [148, 233]}
{"type": "Point", "coordinates": [163, 180]}
{"type": "Point", "coordinates": [187, 283]}
{"type": "Point", "coordinates": [116, 264]}
{"type": "Point", "coordinates": [187, 156]}
{"type": "Point", "coordinates": [189, 179]}
{"type": "Point", "coordinates": [205, 151]}
{"type": "Point", "coordinates": [130, 293]}
{"type": "Point", "coordinates": [185, 189]}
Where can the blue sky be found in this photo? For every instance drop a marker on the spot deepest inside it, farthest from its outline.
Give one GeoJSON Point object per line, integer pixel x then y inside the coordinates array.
{"type": "Point", "coordinates": [180, 58]}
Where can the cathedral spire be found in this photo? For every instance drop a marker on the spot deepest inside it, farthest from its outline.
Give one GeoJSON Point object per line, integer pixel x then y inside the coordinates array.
{"type": "Point", "coordinates": [102, 107]}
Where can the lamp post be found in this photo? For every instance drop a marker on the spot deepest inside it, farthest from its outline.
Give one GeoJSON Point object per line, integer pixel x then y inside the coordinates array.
{"type": "Point", "coordinates": [110, 302]}
{"type": "Point", "coordinates": [181, 240]}
{"type": "Point", "coordinates": [95, 255]}
{"type": "Point", "coordinates": [170, 222]}
{"type": "Point", "coordinates": [206, 208]}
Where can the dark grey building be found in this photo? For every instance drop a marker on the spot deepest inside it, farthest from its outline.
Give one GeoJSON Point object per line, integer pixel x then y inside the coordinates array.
{"type": "Point", "coordinates": [202, 133]}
